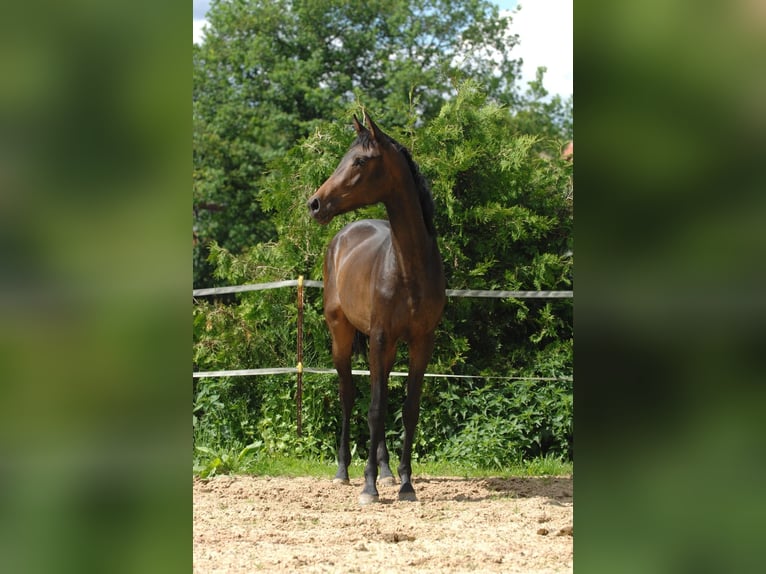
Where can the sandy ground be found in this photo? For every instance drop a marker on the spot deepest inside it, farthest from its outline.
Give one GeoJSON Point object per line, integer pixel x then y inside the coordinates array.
{"type": "Point", "coordinates": [262, 524]}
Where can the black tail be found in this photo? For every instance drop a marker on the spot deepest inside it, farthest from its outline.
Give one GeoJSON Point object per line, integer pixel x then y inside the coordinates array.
{"type": "Point", "coordinates": [360, 344]}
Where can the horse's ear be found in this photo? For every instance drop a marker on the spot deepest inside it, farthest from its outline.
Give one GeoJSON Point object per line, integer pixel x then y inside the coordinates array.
{"type": "Point", "coordinates": [374, 130]}
{"type": "Point", "coordinates": [357, 126]}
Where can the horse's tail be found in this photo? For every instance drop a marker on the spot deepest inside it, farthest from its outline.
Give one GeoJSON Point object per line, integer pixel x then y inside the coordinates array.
{"type": "Point", "coordinates": [360, 344]}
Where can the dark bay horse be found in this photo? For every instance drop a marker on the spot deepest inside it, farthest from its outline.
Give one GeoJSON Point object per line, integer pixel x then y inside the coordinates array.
{"type": "Point", "coordinates": [383, 279]}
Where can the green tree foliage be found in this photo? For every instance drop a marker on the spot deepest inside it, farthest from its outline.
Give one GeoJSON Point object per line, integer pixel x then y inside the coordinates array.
{"type": "Point", "coordinates": [504, 215]}
{"type": "Point", "coordinates": [540, 114]}
{"type": "Point", "coordinates": [270, 71]}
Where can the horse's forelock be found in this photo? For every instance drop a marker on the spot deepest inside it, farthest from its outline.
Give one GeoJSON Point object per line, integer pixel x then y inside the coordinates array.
{"type": "Point", "coordinates": [364, 139]}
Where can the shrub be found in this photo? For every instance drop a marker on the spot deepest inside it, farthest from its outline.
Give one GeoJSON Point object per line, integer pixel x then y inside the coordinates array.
{"type": "Point", "coordinates": [504, 214]}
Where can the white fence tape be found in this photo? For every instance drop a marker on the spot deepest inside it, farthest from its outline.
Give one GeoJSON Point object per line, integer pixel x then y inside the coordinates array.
{"type": "Point", "coordinates": [293, 370]}
{"type": "Point", "coordinates": [253, 287]}
{"type": "Point", "coordinates": [449, 292]}
{"type": "Point", "coordinates": [510, 294]}
{"type": "Point", "coordinates": [311, 283]}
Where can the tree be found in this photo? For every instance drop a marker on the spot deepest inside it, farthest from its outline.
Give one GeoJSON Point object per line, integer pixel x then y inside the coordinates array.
{"type": "Point", "coordinates": [538, 114]}
{"type": "Point", "coordinates": [271, 70]}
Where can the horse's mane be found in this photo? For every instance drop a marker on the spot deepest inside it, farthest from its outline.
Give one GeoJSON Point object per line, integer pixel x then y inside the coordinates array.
{"type": "Point", "coordinates": [364, 139]}
{"type": "Point", "coordinates": [424, 190]}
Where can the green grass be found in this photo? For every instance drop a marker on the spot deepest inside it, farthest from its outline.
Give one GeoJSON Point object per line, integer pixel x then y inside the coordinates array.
{"type": "Point", "coordinates": [540, 466]}
{"type": "Point", "coordinates": [248, 463]}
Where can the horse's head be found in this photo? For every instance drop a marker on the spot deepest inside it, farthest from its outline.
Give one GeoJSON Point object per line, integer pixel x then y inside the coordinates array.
{"type": "Point", "coordinates": [358, 179]}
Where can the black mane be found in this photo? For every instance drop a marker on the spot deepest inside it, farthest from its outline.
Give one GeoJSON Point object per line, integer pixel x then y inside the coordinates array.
{"type": "Point", "coordinates": [424, 190]}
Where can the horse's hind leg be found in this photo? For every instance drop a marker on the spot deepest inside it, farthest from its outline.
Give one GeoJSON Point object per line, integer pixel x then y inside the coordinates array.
{"type": "Point", "coordinates": [342, 337]}
{"type": "Point", "coordinates": [382, 354]}
{"type": "Point", "coordinates": [420, 354]}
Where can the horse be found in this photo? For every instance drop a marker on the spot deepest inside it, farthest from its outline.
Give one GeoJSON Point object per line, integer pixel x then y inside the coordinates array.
{"type": "Point", "coordinates": [383, 280]}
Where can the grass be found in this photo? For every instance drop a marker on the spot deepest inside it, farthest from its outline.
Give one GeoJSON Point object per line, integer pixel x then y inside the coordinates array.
{"type": "Point", "coordinates": [541, 466]}
{"type": "Point", "coordinates": [249, 463]}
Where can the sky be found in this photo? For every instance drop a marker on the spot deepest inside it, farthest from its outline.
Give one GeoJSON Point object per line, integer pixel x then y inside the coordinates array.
{"type": "Point", "coordinates": [545, 32]}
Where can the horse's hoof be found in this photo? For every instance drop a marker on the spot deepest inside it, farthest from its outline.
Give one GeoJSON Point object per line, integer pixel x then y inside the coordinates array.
{"type": "Point", "coordinates": [365, 499]}
{"type": "Point", "coordinates": [387, 481]}
{"type": "Point", "coordinates": [408, 497]}
{"type": "Point", "coordinates": [341, 481]}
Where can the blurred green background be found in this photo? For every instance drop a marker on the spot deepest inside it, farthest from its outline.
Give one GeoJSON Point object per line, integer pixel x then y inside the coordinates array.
{"type": "Point", "coordinates": [669, 313]}
{"type": "Point", "coordinates": [670, 106]}
{"type": "Point", "coordinates": [95, 141]}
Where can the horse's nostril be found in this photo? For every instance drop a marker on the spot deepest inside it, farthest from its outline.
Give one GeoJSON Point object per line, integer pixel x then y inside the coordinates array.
{"type": "Point", "coordinates": [314, 205]}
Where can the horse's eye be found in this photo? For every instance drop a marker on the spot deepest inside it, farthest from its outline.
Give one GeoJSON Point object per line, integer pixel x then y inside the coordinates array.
{"type": "Point", "coordinates": [360, 161]}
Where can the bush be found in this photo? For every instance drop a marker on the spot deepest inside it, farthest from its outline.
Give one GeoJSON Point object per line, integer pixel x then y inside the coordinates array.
{"type": "Point", "coordinates": [504, 213]}
{"type": "Point", "coordinates": [497, 423]}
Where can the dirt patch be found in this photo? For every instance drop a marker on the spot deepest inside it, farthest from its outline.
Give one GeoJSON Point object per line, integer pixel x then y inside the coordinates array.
{"type": "Point", "coordinates": [251, 524]}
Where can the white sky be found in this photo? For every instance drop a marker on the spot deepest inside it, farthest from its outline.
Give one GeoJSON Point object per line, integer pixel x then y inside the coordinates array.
{"type": "Point", "coordinates": [545, 39]}
{"type": "Point", "coordinates": [545, 32]}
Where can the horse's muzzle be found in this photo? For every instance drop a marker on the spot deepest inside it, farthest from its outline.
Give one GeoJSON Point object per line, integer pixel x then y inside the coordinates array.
{"type": "Point", "coordinates": [315, 209]}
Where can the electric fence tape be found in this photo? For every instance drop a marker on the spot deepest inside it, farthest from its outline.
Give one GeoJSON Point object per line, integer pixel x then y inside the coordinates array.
{"type": "Point", "coordinates": [302, 369]}
{"type": "Point", "coordinates": [449, 292]}
{"type": "Point", "coordinates": [310, 283]}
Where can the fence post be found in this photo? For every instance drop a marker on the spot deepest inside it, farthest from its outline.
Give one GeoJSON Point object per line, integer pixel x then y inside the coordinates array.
{"type": "Point", "coordinates": [299, 392]}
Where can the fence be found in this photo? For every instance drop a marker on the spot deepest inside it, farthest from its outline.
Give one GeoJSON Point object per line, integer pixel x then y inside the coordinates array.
{"type": "Point", "coordinates": [299, 369]}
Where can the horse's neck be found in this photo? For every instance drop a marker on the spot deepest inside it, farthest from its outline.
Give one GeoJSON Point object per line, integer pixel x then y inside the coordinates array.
{"type": "Point", "coordinates": [413, 246]}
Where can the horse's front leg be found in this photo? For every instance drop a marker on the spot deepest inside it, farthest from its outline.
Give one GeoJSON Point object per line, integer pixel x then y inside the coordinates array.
{"type": "Point", "coordinates": [382, 353]}
{"type": "Point", "coordinates": [346, 392]}
{"type": "Point", "coordinates": [385, 477]}
{"type": "Point", "coordinates": [420, 354]}
{"type": "Point", "coordinates": [342, 337]}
